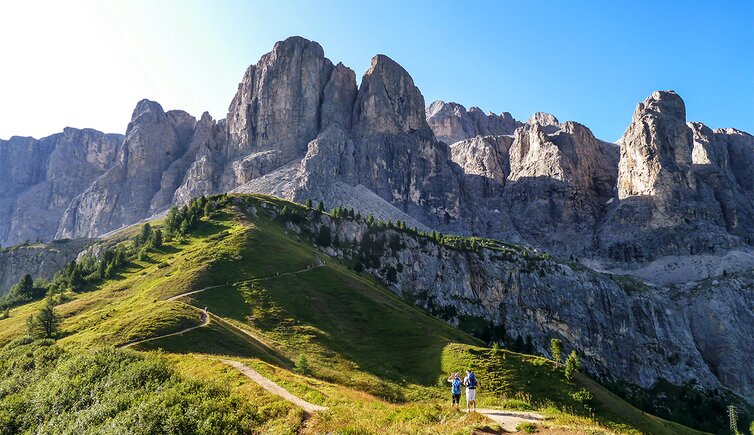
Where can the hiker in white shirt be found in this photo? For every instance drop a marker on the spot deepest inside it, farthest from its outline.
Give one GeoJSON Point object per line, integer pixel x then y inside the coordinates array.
{"type": "Point", "coordinates": [471, 383]}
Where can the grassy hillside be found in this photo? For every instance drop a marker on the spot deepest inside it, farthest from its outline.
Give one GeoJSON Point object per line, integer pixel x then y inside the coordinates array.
{"type": "Point", "coordinates": [376, 362]}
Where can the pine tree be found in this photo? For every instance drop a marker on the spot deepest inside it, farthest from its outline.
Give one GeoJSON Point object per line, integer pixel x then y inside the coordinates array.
{"type": "Point", "coordinates": [324, 238]}
{"type": "Point", "coordinates": [302, 365]}
{"type": "Point", "coordinates": [556, 350]}
{"type": "Point", "coordinates": [529, 345]}
{"type": "Point", "coordinates": [24, 288]}
{"type": "Point", "coordinates": [45, 324]}
{"type": "Point", "coordinates": [572, 365]}
{"type": "Point", "coordinates": [370, 220]}
{"type": "Point", "coordinates": [207, 209]}
{"type": "Point", "coordinates": [76, 281]}
{"type": "Point", "coordinates": [308, 203]}
{"type": "Point", "coordinates": [321, 207]}
{"type": "Point", "coordinates": [157, 239]}
{"type": "Point", "coordinates": [185, 227]}
{"type": "Point", "coordinates": [145, 235]}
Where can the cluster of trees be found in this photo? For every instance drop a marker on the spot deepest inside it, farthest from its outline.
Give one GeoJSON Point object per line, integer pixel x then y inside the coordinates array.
{"type": "Point", "coordinates": [146, 240]}
{"type": "Point", "coordinates": [181, 220]}
{"type": "Point", "coordinates": [523, 346]}
{"type": "Point", "coordinates": [572, 362]}
{"type": "Point", "coordinates": [25, 290]}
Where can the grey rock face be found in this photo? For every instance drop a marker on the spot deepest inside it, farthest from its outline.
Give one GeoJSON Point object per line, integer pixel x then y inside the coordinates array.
{"type": "Point", "coordinates": [559, 185]}
{"type": "Point", "coordinates": [665, 206]}
{"type": "Point", "coordinates": [39, 178]}
{"type": "Point", "coordinates": [399, 157]}
{"type": "Point", "coordinates": [656, 149]}
{"type": "Point", "coordinates": [279, 99]}
{"type": "Point", "coordinates": [451, 122]}
{"type": "Point", "coordinates": [723, 162]}
{"type": "Point", "coordinates": [485, 163]}
{"type": "Point", "coordinates": [623, 330]}
{"type": "Point", "coordinates": [39, 260]}
{"type": "Point", "coordinates": [159, 148]}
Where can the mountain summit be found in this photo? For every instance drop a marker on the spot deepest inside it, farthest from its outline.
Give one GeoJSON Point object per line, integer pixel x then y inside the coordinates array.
{"type": "Point", "coordinates": [299, 127]}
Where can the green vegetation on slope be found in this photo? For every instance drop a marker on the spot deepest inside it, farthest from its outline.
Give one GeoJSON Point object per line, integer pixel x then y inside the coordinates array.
{"type": "Point", "coordinates": [45, 389]}
{"type": "Point", "coordinates": [376, 362]}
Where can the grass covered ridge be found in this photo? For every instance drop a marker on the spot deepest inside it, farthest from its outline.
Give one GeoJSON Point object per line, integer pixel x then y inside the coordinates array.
{"type": "Point", "coordinates": [378, 363]}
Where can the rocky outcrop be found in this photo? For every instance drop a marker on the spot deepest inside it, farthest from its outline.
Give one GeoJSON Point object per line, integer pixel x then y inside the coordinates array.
{"type": "Point", "coordinates": [451, 122]}
{"type": "Point", "coordinates": [656, 150]}
{"type": "Point", "coordinates": [398, 156]}
{"type": "Point", "coordinates": [485, 163]}
{"type": "Point", "coordinates": [39, 260]}
{"type": "Point", "coordinates": [150, 168]}
{"type": "Point", "coordinates": [665, 207]}
{"type": "Point", "coordinates": [39, 178]}
{"type": "Point", "coordinates": [723, 163]}
{"type": "Point", "coordinates": [559, 184]}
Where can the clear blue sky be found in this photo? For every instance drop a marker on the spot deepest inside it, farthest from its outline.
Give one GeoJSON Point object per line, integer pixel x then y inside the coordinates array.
{"type": "Point", "coordinates": [86, 63]}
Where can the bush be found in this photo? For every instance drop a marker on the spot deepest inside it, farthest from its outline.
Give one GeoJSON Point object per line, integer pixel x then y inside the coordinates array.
{"type": "Point", "coordinates": [110, 391]}
{"type": "Point", "coordinates": [526, 427]}
{"type": "Point", "coordinates": [583, 396]}
{"type": "Point", "coordinates": [495, 349]}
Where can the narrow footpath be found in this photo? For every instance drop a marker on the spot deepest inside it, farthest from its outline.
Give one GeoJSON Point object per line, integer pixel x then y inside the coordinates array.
{"type": "Point", "coordinates": [508, 420]}
{"type": "Point", "coordinates": [274, 388]}
{"type": "Point", "coordinates": [247, 371]}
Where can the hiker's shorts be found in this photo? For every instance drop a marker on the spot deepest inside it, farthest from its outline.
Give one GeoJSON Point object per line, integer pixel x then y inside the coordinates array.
{"type": "Point", "coordinates": [456, 398]}
{"type": "Point", "coordinates": [470, 394]}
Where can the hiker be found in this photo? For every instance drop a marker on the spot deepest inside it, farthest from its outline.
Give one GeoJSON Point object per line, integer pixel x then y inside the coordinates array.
{"type": "Point", "coordinates": [471, 383]}
{"type": "Point", "coordinates": [455, 389]}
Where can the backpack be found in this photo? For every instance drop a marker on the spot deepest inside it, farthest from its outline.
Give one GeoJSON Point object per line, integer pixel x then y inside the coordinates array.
{"type": "Point", "coordinates": [456, 386]}
{"type": "Point", "coordinates": [472, 380]}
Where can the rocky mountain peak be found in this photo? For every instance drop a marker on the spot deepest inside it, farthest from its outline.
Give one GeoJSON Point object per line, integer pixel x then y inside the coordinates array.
{"type": "Point", "coordinates": [339, 97]}
{"type": "Point", "coordinates": [451, 122]}
{"type": "Point", "coordinates": [388, 101]}
{"type": "Point", "coordinates": [656, 148]}
{"type": "Point", "coordinates": [544, 119]}
{"type": "Point", "coordinates": [145, 107]}
{"type": "Point", "coordinates": [278, 101]}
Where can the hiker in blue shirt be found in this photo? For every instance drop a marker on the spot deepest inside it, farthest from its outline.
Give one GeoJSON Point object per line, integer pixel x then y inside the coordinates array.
{"type": "Point", "coordinates": [471, 383]}
{"type": "Point", "coordinates": [455, 389]}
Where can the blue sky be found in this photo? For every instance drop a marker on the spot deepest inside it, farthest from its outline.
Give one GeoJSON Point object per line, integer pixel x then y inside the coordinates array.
{"type": "Point", "coordinates": [86, 63]}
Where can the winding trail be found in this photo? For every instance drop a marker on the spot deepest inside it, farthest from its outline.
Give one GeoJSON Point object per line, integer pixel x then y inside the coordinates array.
{"type": "Point", "coordinates": [508, 420]}
{"type": "Point", "coordinates": [247, 371]}
{"type": "Point", "coordinates": [204, 322]}
{"type": "Point", "coordinates": [274, 388]}
{"type": "Point", "coordinates": [319, 264]}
